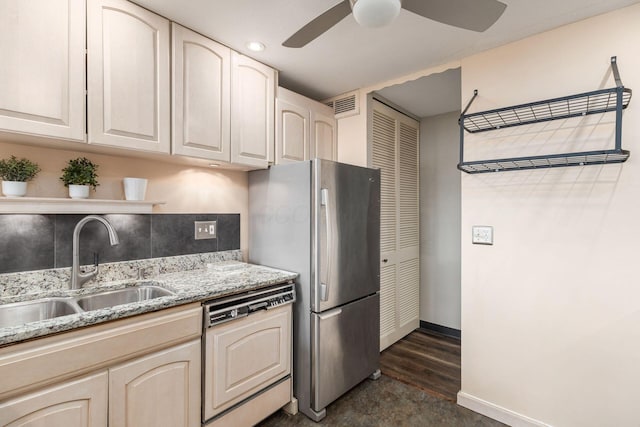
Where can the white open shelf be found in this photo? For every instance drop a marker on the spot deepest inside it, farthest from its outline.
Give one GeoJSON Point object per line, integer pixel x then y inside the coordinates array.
{"type": "Point", "coordinates": [48, 205]}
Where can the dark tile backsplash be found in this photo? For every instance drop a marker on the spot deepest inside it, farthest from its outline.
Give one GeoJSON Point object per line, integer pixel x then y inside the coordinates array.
{"type": "Point", "coordinates": [134, 232]}
{"type": "Point", "coordinates": [173, 235]}
{"type": "Point", "coordinates": [26, 242]}
{"type": "Point", "coordinates": [228, 232]}
{"type": "Point", "coordinates": [36, 242]}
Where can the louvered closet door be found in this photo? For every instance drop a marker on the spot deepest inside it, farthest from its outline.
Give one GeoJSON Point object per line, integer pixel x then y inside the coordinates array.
{"type": "Point", "coordinates": [395, 152]}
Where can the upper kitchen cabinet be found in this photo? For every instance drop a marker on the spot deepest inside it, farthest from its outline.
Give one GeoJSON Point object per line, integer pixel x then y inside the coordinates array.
{"type": "Point", "coordinates": [324, 138]}
{"type": "Point", "coordinates": [42, 76]}
{"type": "Point", "coordinates": [305, 129]}
{"type": "Point", "coordinates": [128, 76]}
{"type": "Point", "coordinates": [201, 73]}
{"type": "Point", "coordinates": [252, 112]}
{"type": "Point", "coordinates": [292, 129]}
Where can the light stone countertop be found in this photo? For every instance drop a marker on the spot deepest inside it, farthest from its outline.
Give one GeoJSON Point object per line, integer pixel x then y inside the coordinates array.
{"type": "Point", "coordinates": [215, 280]}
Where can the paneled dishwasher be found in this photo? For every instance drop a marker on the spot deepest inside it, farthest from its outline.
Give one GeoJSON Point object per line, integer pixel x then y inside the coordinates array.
{"type": "Point", "coordinates": [246, 356]}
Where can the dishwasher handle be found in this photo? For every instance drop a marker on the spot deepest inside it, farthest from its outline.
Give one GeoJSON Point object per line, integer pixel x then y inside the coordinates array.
{"type": "Point", "coordinates": [258, 306]}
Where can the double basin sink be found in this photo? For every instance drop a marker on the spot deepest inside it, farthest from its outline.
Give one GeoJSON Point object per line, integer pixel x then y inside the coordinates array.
{"type": "Point", "coordinates": [18, 313]}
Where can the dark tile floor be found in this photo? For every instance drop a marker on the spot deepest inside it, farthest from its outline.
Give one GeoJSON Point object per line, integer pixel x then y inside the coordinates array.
{"type": "Point", "coordinates": [387, 402]}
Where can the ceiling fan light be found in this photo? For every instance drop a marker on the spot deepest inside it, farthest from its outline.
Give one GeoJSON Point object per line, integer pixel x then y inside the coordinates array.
{"type": "Point", "coordinates": [376, 13]}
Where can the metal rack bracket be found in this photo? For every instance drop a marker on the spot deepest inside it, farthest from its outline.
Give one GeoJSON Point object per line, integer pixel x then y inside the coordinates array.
{"type": "Point", "coordinates": [595, 102]}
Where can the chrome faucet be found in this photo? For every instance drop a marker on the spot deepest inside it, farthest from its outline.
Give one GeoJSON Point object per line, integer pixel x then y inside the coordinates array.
{"type": "Point", "coordinates": [78, 278]}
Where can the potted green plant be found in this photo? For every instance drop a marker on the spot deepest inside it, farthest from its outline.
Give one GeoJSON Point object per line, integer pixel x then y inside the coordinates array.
{"type": "Point", "coordinates": [15, 173]}
{"type": "Point", "coordinates": [80, 176]}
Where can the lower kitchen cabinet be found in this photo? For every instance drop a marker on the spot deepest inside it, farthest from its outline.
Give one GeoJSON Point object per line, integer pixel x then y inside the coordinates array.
{"type": "Point", "coordinates": [74, 403]}
{"type": "Point", "coordinates": [162, 389]}
{"type": "Point", "coordinates": [135, 372]}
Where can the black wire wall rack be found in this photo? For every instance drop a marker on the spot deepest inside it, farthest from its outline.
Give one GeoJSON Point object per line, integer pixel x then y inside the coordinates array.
{"type": "Point", "coordinates": [583, 104]}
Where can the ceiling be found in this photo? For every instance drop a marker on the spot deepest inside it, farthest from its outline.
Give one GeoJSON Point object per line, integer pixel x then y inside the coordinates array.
{"type": "Point", "coordinates": [427, 96]}
{"type": "Point", "coordinates": [348, 56]}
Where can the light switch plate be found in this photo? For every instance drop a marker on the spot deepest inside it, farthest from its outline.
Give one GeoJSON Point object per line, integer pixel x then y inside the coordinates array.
{"type": "Point", "coordinates": [205, 230]}
{"type": "Point", "coordinates": [482, 235]}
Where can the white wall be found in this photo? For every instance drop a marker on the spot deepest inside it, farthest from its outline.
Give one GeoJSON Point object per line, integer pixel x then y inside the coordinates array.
{"type": "Point", "coordinates": [440, 220]}
{"type": "Point", "coordinates": [551, 311]}
{"type": "Point", "coordinates": [351, 135]}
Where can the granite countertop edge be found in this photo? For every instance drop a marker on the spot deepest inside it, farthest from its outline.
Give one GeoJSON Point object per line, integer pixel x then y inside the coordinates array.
{"type": "Point", "coordinates": [219, 280]}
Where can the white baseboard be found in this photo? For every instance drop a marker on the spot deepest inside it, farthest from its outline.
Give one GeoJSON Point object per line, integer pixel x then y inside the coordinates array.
{"type": "Point", "coordinates": [496, 412]}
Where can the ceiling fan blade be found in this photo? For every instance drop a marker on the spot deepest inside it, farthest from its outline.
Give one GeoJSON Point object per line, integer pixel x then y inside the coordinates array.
{"type": "Point", "coordinates": [476, 15]}
{"type": "Point", "coordinates": [319, 25]}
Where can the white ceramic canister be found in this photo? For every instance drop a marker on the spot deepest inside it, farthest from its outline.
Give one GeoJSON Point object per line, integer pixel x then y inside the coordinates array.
{"type": "Point", "coordinates": [134, 188]}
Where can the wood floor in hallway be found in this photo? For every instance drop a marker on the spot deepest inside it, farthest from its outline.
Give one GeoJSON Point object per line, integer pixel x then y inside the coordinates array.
{"type": "Point", "coordinates": [426, 360]}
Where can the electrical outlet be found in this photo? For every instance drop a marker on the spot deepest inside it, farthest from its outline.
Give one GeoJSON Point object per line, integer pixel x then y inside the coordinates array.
{"type": "Point", "coordinates": [482, 235]}
{"type": "Point", "coordinates": [205, 230]}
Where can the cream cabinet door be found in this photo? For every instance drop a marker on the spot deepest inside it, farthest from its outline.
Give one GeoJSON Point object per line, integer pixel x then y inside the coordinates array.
{"type": "Point", "coordinates": [292, 132]}
{"type": "Point", "coordinates": [128, 76]}
{"type": "Point", "coordinates": [305, 129]}
{"type": "Point", "coordinates": [76, 403]}
{"type": "Point", "coordinates": [160, 390]}
{"type": "Point", "coordinates": [201, 76]}
{"type": "Point", "coordinates": [323, 133]}
{"type": "Point", "coordinates": [252, 112]}
{"type": "Point", "coordinates": [42, 71]}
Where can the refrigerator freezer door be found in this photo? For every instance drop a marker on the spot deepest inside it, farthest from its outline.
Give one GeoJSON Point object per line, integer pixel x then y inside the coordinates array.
{"type": "Point", "coordinates": [346, 233]}
{"type": "Point", "coordinates": [345, 348]}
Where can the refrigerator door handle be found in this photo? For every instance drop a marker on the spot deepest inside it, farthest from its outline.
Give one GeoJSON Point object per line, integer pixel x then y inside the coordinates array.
{"type": "Point", "coordinates": [329, 314]}
{"type": "Point", "coordinates": [324, 284]}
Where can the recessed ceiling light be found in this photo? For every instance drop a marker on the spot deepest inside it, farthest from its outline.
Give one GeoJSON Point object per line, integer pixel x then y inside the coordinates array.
{"type": "Point", "coordinates": [255, 46]}
{"type": "Point", "coordinates": [214, 165]}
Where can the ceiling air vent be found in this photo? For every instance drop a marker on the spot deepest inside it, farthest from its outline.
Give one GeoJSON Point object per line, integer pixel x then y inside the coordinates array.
{"type": "Point", "coordinates": [344, 105]}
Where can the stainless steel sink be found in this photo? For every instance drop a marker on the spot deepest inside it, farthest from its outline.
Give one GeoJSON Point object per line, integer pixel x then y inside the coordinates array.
{"type": "Point", "coordinates": [32, 311]}
{"type": "Point", "coordinates": [19, 313]}
{"type": "Point", "coordinates": [122, 296]}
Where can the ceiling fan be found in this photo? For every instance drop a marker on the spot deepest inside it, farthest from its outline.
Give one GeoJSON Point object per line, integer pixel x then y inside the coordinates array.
{"type": "Point", "coordinates": [475, 15]}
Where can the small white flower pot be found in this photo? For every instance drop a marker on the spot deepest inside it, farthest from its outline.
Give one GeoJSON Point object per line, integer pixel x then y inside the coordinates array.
{"type": "Point", "coordinates": [134, 188]}
{"type": "Point", "coordinates": [79, 191]}
{"type": "Point", "coordinates": [14, 188]}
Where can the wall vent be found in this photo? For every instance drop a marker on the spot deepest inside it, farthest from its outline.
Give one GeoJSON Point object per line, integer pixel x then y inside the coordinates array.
{"type": "Point", "coordinates": [344, 105]}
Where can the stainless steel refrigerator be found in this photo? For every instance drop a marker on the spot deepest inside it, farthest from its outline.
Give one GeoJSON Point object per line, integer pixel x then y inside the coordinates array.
{"type": "Point", "coordinates": [321, 219]}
